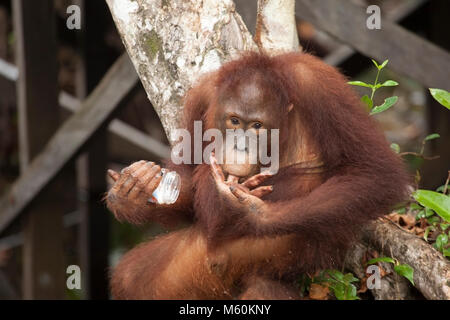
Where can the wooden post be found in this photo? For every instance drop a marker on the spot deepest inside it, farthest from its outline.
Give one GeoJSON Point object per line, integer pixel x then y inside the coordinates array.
{"type": "Point", "coordinates": [43, 264]}
{"type": "Point", "coordinates": [92, 165]}
{"type": "Point", "coordinates": [435, 172]}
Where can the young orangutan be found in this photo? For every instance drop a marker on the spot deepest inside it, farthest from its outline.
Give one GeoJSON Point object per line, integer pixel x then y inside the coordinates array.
{"type": "Point", "coordinates": [250, 233]}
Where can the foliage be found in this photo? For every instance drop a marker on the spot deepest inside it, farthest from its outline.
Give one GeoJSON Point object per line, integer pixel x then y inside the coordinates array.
{"type": "Point", "coordinates": [441, 96]}
{"type": "Point", "coordinates": [368, 101]}
{"type": "Point", "coordinates": [434, 208]}
{"type": "Point", "coordinates": [404, 270]}
{"type": "Point", "coordinates": [417, 156]}
{"type": "Point", "coordinates": [341, 284]}
{"type": "Point", "coordinates": [438, 202]}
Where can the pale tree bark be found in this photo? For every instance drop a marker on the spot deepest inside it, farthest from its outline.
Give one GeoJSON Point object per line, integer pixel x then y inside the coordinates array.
{"type": "Point", "coordinates": [173, 42]}
{"type": "Point", "coordinates": [276, 29]}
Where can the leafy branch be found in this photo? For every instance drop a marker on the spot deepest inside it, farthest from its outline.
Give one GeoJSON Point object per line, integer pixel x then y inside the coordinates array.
{"type": "Point", "coordinates": [388, 102]}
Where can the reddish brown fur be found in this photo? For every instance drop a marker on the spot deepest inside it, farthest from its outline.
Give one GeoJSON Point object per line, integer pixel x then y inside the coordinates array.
{"type": "Point", "coordinates": [313, 216]}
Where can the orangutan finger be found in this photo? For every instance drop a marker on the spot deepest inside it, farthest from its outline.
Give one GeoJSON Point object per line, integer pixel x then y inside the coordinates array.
{"type": "Point", "coordinates": [114, 175]}
{"type": "Point", "coordinates": [141, 171]}
{"type": "Point", "coordinates": [127, 185]}
{"type": "Point", "coordinates": [261, 191]}
{"type": "Point", "coordinates": [257, 179]}
{"type": "Point", "coordinates": [128, 178]}
{"type": "Point", "coordinates": [136, 167]}
{"type": "Point", "coordinates": [154, 179]}
{"type": "Point", "coordinates": [144, 175]}
{"type": "Point", "coordinates": [216, 169]}
{"type": "Point", "coordinates": [150, 174]}
{"type": "Point", "coordinates": [232, 179]}
{"type": "Point", "coordinates": [131, 167]}
{"type": "Point", "coordinates": [240, 194]}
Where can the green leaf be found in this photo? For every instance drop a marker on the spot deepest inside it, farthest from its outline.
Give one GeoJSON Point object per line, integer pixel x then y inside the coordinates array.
{"type": "Point", "coordinates": [441, 241]}
{"type": "Point", "coordinates": [433, 220]}
{"type": "Point", "coordinates": [444, 226]}
{"type": "Point", "coordinates": [389, 102]}
{"type": "Point", "coordinates": [446, 252]}
{"type": "Point", "coordinates": [429, 212]}
{"type": "Point", "coordinates": [395, 147]}
{"type": "Point", "coordinates": [344, 292]}
{"type": "Point", "coordinates": [351, 293]}
{"type": "Point", "coordinates": [441, 96]}
{"type": "Point", "coordinates": [376, 64]}
{"type": "Point", "coordinates": [338, 290]}
{"type": "Point", "coordinates": [367, 101]}
{"type": "Point", "coordinates": [405, 271]}
{"type": "Point", "coordinates": [427, 232]}
{"type": "Point", "coordinates": [432, 137]}
{"type": "Point", "coordinates": [360, 84]}
{"type": "Point", "coordinates": [420, 215]}
{"type": "Point", "coordinates": [415, 206]}
{"type": "Point", "coordinates": [336, 274]}
{"type": "Point", "coordinates": [438, 202]}
{"type": "Point", "coordinates": [349, 278]}
{"type": "Point", "coordinates": [381, 259]}
{"type": "Point", "coordinates": [383, 64]}
{"type": "Point", "coordinates": [441, 189]}
{"type": "Point", "coordinates": [389, 83]}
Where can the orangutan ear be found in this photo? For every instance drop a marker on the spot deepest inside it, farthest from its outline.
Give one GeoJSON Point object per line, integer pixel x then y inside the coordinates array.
{"type": "Point", "coordinates": [290, 107]}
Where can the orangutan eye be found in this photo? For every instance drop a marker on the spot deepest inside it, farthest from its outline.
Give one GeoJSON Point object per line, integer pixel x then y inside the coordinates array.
{"type": "Point", "coordinates": [235, 121]}
{"type": "Point", "coordinates": [257, 125]}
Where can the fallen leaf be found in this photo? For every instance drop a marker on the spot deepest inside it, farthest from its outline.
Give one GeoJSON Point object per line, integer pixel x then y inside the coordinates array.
{"type": "Point", "coordinates": [318, 292]}
{"type": "Point", "coordinates": [363, 285]}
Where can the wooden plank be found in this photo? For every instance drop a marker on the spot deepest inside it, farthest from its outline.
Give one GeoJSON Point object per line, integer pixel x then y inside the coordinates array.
{"type": "Point", "coordinates": [43, 263]}
{"type": "Point", "coordinates": [69, 139]}
{"type": "Point", "coordinates": [434, 173]}
{"type": "Point", "coordinates": [93, 231]}
{"type": "Point", "coordinates": [122, 134]}
{"type": "Point", "coordinates": [344, 52]}
{"type": "Point", "coordinates": [8, 70]}
{"type": "Point", "coordinates": [408, 53]}
{"type": "Point", "coordinates": [142, 145]}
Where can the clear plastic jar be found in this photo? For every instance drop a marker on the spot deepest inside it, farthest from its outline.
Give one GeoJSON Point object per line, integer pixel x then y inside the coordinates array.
{"type": "Point", "coordinates": [168, 189]}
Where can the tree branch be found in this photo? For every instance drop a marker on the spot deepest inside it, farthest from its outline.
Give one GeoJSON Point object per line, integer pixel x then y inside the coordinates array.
{"type": "Point", "coordinates": [431, 268]}
{"type": "Point", "coordinates": [276, 29]}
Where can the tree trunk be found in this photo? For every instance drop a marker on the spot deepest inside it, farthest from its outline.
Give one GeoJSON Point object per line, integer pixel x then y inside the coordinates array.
{"type": "Point", "coordinates": [171, 43]}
